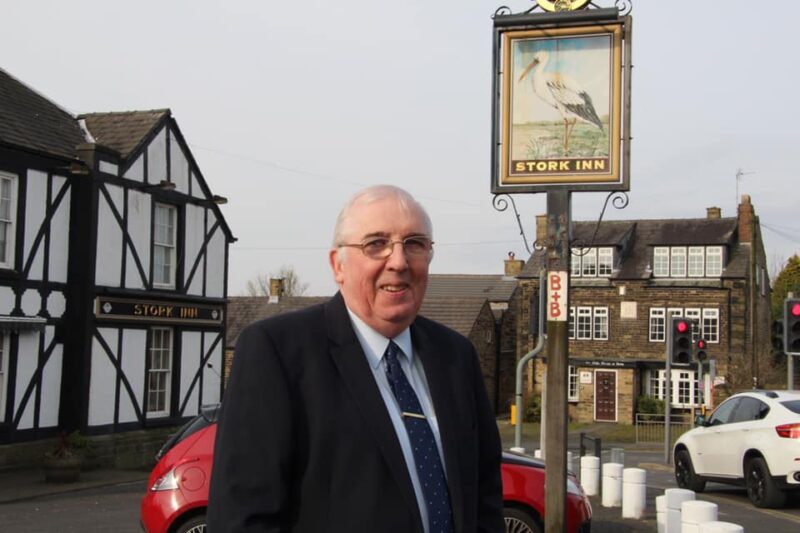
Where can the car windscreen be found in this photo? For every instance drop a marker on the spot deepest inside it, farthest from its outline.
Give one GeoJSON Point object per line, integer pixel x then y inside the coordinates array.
{"type": "Point", "coordinates": [192, 426]}
{"type": "Point", "coordinates": [792, 405]}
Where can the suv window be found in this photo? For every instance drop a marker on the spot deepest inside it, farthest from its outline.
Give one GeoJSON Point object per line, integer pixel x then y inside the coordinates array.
{"type": "Point", "coordinates": [724, 412]}
{"type": "Point", "coordinates": [792, 405]}
{"type": "Point", "coordinates": [750, 409]}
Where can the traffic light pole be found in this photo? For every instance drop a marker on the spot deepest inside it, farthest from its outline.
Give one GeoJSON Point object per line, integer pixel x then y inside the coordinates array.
{"type": "Point", "coordinates": [668, 396]}
{"type": "Point", "coordinates": [555, 444]}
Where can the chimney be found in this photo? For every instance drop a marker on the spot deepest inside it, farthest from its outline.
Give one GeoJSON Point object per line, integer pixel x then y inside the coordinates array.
{"type": "Point", "coordinates": [513, 266]}
{"type": "Point", "coordinates": [713, 213]}
{"type": "Point", "coordinates": [541, 228]}
{"type": "Point", "coordinates": [275, 290]}
{"type": "Point", "coordinates": [746, 219]}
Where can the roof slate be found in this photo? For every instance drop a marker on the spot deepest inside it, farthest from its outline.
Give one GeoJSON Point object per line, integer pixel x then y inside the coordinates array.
{"type": "Point", "coordinates": [495, 288]}
{"type": "Point", "coordinates": [459, 314]}
{"type": "Point", "coordinates": [123, 131]}
{"type": "Point", "coordinates": [635, 239]}
{"type": "Point", "coordinates": [31, 121]}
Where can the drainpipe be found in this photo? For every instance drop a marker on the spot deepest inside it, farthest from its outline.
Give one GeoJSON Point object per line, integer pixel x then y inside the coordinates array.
{"type": "Point", "coordinates": [527, 357]}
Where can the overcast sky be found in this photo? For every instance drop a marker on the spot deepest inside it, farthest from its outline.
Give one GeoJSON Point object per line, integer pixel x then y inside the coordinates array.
{"type": "Point", "coordinates": [290, 107]}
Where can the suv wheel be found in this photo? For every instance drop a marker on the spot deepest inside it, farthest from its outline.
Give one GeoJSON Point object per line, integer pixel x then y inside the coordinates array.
{"type": "Point", "coordinates": [761, 488]}
{"type": "Point", "coordinates": [684, 472]}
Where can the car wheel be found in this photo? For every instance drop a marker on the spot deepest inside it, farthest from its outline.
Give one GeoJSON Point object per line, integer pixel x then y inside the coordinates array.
{"type": "Point", "coordinates": [761, 488]}
{"type": "Point", "coordinates": [196, 524]}
{"type": "Point", "coordinates": [684, 472]}
{"type": "Point", "coordinates": [518, 521]}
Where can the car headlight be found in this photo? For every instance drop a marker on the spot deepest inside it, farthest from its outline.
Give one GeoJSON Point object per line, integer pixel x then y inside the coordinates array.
{"type": "Point", "coordinates": [166, 482]}
{"type": "Point", "coordinates": [573, 488]}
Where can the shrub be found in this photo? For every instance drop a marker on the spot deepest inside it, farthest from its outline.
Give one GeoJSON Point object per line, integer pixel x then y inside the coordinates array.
{"type": "Point", "coordinates": [647, 405]}
{"type": "Point", "coordinates": [533, 409]}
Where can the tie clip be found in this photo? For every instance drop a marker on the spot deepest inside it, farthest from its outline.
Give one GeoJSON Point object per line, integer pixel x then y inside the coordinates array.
{"type": "Point", "coordinates": [413, 415]}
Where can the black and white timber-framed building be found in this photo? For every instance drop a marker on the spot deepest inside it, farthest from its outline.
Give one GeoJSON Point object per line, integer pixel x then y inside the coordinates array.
{"type": "Point", "coordinates": [113, 271]}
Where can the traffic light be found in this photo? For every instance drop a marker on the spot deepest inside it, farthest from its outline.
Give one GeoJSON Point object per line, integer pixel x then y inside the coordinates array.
{"type": "Point", "coordinates": [700, 353]}
{"type": "Point", "coordinates": [777, 337]}
{"type": "Point", "coordinates": [791, 325]}
{"type": "Point", "coordinates": [680, 351]}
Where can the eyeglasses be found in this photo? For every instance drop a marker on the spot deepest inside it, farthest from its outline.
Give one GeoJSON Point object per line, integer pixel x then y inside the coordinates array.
{"type": "Point", "coordinates": [381, 248]}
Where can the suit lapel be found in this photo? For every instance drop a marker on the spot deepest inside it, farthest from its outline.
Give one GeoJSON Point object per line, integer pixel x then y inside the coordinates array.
{"type": "Point", "coordinates": [440, 377]}
{"type": "Point", "coordinates": [349, 358]}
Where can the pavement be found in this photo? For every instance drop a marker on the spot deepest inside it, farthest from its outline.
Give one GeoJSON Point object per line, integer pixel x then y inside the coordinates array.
{"type": "Point", "coordinates": [27, 484]}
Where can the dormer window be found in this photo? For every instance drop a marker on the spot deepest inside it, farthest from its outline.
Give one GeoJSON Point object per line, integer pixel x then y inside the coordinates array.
{"type": "Point", "coordinates": [592, 262]}
{"type": "Point", "coordinates": [687, 261]}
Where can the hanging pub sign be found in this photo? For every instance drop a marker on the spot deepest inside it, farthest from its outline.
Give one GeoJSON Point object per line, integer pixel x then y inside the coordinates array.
{"type": "Point", "coordinates": [562, 91]}
{"type": "Point", "coordinates": [168, 312]}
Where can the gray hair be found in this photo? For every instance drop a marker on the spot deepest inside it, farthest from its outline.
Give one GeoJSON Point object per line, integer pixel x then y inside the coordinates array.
{"type": "Point", "coordinates": [375, 193]}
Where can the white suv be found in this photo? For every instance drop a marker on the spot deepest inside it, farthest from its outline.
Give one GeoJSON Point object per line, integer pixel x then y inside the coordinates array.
{"type": "Point", "coordinates": [751, 439]}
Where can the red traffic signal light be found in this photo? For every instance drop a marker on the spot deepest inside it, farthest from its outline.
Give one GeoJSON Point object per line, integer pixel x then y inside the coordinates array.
{"type": "Point", "coordinates": [791, 326]}
{"type": "Point", "coordinates": [680, 349]}
{"type": "Point", "coordinates": [700, 350]}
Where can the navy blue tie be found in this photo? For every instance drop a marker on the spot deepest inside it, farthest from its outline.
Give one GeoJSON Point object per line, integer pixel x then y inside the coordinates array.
{"type": "Point", "coordinates": [423, 444]}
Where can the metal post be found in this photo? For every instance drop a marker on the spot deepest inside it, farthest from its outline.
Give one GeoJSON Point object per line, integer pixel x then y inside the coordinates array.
{"type": "Point", "coordinates": [668, 396]}
{"type": "Point", "coordinates": [558, 256]}
{"type": "Point", "coordinates": [789, 371]}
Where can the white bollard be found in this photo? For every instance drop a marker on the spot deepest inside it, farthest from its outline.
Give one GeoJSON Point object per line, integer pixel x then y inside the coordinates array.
{"type": "Point", "coordinates": [634, 492]}
{"type": "Point", "coordinates": [612, 485]}
{"type": "Point", "coordinates": [569, 462]}
{"type": "Point", "coordinates": [695, 514]}
{"type": "Point", "coordinates": [722, 527]}
{"type": "Point", "coordinates": [537, 454]}
{"type": "Point", "coordinates": [661, 513]}
{"type": "Point", "coordinates": [590, 474]}
{"type": "Point", "coordinates": [516, 449]}
{"type": "Point", "coordinates": [675, 497]}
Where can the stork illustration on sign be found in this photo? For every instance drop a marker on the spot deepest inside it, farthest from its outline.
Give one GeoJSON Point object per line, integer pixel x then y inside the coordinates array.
{"type": "Point", "coordinates": [563, 93]}
{"type": "Point", "coordinates": [561, 97]}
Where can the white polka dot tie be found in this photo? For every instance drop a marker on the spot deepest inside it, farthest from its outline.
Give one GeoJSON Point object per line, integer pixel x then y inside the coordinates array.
{"type": "Point", "coordinates": [426, 453]}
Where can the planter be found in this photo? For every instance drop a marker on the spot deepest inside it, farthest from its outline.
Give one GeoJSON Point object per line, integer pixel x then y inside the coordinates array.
{"type": "Point", "coordinates": [62, 469]}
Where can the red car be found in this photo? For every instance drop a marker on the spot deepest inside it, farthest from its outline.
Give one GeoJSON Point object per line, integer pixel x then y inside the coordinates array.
{"type": "Point", "coordinates": [177, 493]}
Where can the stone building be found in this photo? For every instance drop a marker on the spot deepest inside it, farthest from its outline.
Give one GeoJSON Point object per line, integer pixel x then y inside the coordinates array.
{"type": "Point", "coordinates": [624, 283]}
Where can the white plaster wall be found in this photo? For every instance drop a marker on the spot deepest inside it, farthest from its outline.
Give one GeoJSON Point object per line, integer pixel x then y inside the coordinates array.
{"type": "Point", "coordinates": [109, 168]}
{"type": "Point", "coordinates": [56, 304]}
{"type": "Point", "coordinates": [195, 232]}
{"type": "Point", "coordinates": [7, 299]}
{"type": "Point", "coordinates": [31, 302]}
{"type": "Point", "coordinates": [134, 354]}
{"type": "Point", "coordinates": [59, 233]}
{"type": "Point", "coordinates": [179, 165]}
{"type": "Point", "coordinates": [51, 382]}
{"type": "Point", "coordinates": [139, 208]}
{"type": "Point", "coordinates": [102, 383]}
{"type": "Point", "coordinates": [27, 359]}
{"type": "Point", "coordinates": [215, 275]}
{"type": "Point", "coordinates": [190, 363]}
{"type": "Point", "coordinates": [136, 170]}
{"type": "Point", "coordinates": [211, 378]}
{"type": "Point", "coordinates": [157, 158]}
{"type": "Point", "coordinates": [35, 206]}
{"type": "Point", "coordinates": [109, 239]}
{"type": "Point", "coordinates": [197, 191]}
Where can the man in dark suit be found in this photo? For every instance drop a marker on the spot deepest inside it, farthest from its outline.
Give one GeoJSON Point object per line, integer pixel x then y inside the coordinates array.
{"type": "Point", "coordinates": [357, 415]}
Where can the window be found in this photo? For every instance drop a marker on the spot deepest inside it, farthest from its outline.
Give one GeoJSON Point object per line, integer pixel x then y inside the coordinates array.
{"type": "Point", "coordinates": [656, 384]}
{"type": "Point", "coordinates": [159, 371]}
{"type": "Point", "coordinates": [591, 262]}
{"type": "Point", "coordinates": [605, 261]}
{"type": "Point", "coordinates": [657, 324]}
{"type": "Point", "coordinates": [164, 245]}
{"type": "Point", "coordinates": [706, 322]}
{"type": "Point", "coordinates": [701, 261]}
{"type": "Point", "coordinates": [601, 323]}
{"type": "Point", "coordinates": [572, 392]}
{"type": "Point", "coordinates": [714, 261]}
{"type": "Point", "coordinates": [684, 386]}
{"type": "Point", "coordinates": [591, 323]}
{"type": "Point", "coordinates": [677, 259]}
{"type": "Point", "coordinates": [3, 358]}
{"type": "Point", "coordinates": [661, 262]}
{"type": "Point", "coordinates": [696, 262]}
{"type": "Point", "coordinates": [711, 325]}
{"type": "Point", "coordinates": [7, 219]}
{"type": "Point", "coordinates": [584, 324]}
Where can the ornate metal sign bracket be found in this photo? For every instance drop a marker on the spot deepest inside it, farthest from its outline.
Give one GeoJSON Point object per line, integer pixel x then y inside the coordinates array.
{"type": "Point", "coordinates": [558, 6]}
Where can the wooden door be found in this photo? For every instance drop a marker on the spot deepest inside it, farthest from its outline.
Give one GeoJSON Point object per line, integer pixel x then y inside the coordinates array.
{"type": "Point", "coordinates": [605, 396]}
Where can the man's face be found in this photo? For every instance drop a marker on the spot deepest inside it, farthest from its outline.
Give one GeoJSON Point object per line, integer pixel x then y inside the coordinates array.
{"type": "Point", "coordinates": [387, 293]}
